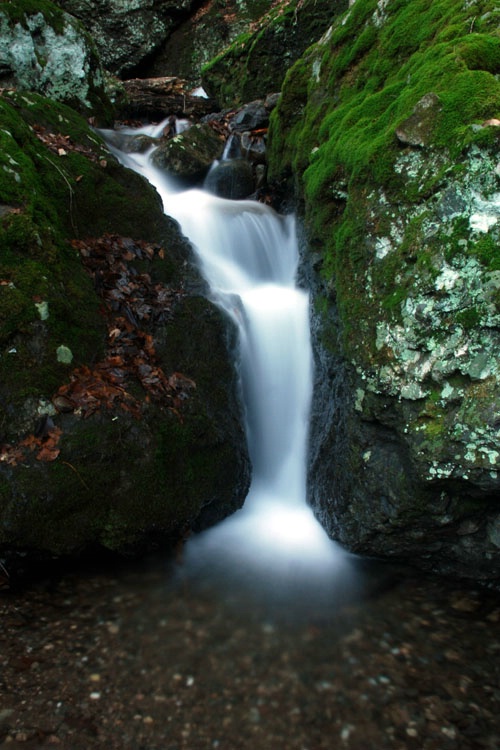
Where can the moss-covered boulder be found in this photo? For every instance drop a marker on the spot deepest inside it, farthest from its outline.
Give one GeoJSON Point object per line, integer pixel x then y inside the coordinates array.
{"type": "Point", "coordinates": [255, 63]}
{"type": "Point", "coordinates": [46, 50]}
{"type": "Point", "coordinates": [189, 155]}
{"type": "Point", "coordinates": [387, 129]}
{"type": "Point", "coordinates": [119, 410]}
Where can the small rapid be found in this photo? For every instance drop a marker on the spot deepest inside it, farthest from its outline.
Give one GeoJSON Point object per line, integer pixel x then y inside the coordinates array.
{"type": "Point", "coordinates": [248, 254]}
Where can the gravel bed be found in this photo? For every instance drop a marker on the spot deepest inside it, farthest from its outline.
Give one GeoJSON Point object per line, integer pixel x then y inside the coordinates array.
{"type": "Point", "coordinates": [145, 658]}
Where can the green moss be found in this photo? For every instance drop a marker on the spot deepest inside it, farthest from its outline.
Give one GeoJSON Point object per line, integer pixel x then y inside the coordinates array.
{"type": "Point", "coordinates": [336, 123]}
{"type": "Point", "coordinates": [469, 318]}
{"type": "Point", "coordinates": [487, 250]}
{"type": "Point", "coordinates": [481, 52]}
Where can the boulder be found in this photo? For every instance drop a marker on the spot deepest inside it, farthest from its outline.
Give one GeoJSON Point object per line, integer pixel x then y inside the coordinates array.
{"type": "Point", "coordinates": [189, 155]}
{"type": "Point", "coordinates": [249, 117]}
{"type": "Point", "coordinates": [45, 50]}
{"type": "Point", "coordinates": [231, 179]}
{"type": "Point", "coordinates": [382, 126]}
{"type": "Point", "coordinates": [120, 418]}
{"type": "Point", "coordinates": [127, 31]}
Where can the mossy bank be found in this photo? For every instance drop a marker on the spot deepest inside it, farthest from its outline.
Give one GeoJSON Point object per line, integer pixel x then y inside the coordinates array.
{"type": "Point", "coordinates": [255, 63]}
{"type": "Point", "coordinates": [90, 453]}
{"type": "Point", "coordinates": [388, 132]}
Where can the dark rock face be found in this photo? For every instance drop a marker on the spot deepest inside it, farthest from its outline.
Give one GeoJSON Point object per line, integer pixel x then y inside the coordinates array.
{"type": "Point", "coordinates": [231, 179]}
{"type": "Point", "coordinates": [398, 181]}
{"type": "Point", "coordinates": [253, 66]}
{"type": "Point", "coordinates": [157, 38]}
{"type": "Point", "coordinates": [120, 417]}
{"type": "Point", "coordinates": [202, 35]}
{"type": "Point", "coordinates": [127, 32]}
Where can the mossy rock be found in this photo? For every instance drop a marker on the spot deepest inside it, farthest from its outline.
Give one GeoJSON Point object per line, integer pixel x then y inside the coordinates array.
{"type": "Point", "coordinates": [255, 63]}
{"type": "Point", "coordinates": [127, 474]}
{"type": "Point", "coordinates": [189, 155]}
{"type": "Point", "coordinates": [387, 132]}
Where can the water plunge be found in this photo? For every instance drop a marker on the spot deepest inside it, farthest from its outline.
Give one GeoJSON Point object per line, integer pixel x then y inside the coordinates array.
{"type": "Point", "coordinates": [274, 546]}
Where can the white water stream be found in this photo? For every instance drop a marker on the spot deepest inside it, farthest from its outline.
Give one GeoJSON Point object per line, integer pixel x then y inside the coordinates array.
{"type": "Point", "coordinates": [249, 256]}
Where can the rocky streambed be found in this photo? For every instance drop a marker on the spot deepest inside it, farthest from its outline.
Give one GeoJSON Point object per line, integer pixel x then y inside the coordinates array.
{"type": "Point", "coordinates": [147, 658]}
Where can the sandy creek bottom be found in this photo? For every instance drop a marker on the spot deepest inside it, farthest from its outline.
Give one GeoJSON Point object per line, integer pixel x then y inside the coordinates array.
{"type": "Point", "coordinates": [143, 658]}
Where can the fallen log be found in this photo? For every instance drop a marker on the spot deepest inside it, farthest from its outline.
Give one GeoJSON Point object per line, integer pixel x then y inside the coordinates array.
{"type": "Point", "coordinates": [159, 97]}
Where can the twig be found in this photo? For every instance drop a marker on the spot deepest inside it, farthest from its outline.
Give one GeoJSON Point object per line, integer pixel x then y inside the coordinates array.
{"type": "Point", "coordinates": [69, 188]}
{"type": "Point", "coordinates": [66, 463]}
{"type": "Point", "coordinates": [4, 569]}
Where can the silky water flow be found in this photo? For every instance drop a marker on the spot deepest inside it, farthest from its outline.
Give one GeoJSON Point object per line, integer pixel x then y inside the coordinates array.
{"type": "Point", "coordinates": [273, 549]}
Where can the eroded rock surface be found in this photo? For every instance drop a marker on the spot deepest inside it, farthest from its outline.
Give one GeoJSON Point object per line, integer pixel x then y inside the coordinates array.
{"type": "Point", "coordinates": [45, 50]}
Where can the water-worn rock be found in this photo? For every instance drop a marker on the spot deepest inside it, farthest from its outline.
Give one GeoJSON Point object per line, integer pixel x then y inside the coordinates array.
{"type": "Point", "coordinates": [231, 179]}
{"type": "Point", "coordinates": [382, 124]}
{"type": "Point", "coordinates": [120, 421]}
{"type": "Point", "coordinates": [190, 154]}
{"type": "Point", "coordinates": [46, 50]}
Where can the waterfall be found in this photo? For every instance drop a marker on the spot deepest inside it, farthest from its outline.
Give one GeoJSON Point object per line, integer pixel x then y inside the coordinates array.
{"type": "Point", "coordinates": [248, 253]}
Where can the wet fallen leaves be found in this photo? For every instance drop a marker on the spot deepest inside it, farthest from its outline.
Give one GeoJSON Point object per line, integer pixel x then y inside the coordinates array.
{"type": "Point", "coordinates": [133, 304]}
{"type": "Point", "coordinates": [43, 444]}
{"type": "Point", "coordinates": [61, 145]}
{"type": "Point", "coordinates": [132, 659]}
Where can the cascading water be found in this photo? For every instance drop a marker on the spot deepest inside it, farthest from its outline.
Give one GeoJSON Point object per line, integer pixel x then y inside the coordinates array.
{"type": "Point", "coordinates": [249, 256]}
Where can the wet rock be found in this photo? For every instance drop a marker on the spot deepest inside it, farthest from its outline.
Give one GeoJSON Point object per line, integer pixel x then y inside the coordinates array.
{"type": "Point", "coordinates": [190, 154]}
{"type": "Point", "coordinates": [253, 147]}
{"type": "Point", "coordinates": [231, 179]}
{"type": "Point", "coordinates": [250, 117]}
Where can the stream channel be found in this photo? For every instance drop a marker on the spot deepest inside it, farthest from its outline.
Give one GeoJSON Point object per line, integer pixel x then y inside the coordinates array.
{"type": "Point", "coordinates": [267, 635]}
